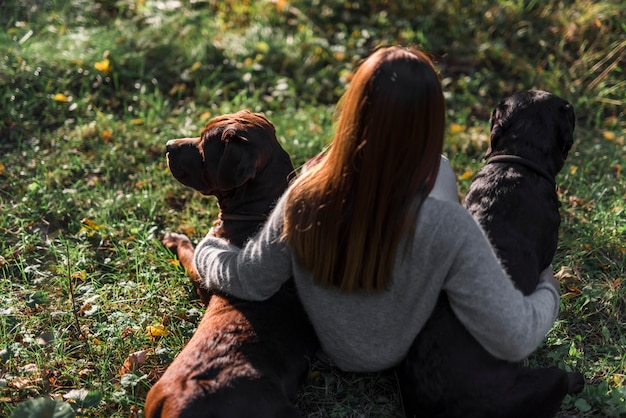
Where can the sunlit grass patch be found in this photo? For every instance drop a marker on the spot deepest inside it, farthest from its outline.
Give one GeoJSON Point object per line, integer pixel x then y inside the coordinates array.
{"type": "Point", "coordinates": [93, 308]}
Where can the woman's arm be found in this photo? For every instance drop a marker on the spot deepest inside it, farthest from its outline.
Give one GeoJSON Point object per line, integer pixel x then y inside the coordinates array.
{"type": "Point", "coordinates": [507, 324]}
{"type": "Point", "coordinates": [254, 272]}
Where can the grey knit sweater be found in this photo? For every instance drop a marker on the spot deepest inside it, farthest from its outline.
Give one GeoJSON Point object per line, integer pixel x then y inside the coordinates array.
{"type": "Point", "coordinates": [373, 331]}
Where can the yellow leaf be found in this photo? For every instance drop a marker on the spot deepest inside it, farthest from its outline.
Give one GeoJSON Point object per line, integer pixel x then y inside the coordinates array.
{"type": "Point", "coordinates": [608, 135]}
{"type": "Point", "coordinates": [618, 380]}
{"type": "Point", "coordinates": [205, 116]}
{"type": "Point", "coordinates": [155, 331]}
{"type": "Point", "coordinates": [196, 65]}
{"type": "Point", "coordinates": [174, 262]}
{"type": "Point", "coordinates": [61, 98]}
{"type": "Point", "coordinates": [455, 128]}
{"type": "Point", "coordinates": [91, 224]}
{"type": "Point", "coordinates": [104, 65]}
{"type": "Point", "coordinates": [106, 135]}
{"type": "Point", "coordinates": [573, 169]}
{"type": "Point", "coordinates": [339, 56]}
{"type": "Point", "coordinates": [137, 121]}
{"type": "Point", "coordinates": [468, 174]}
{"type": "Point", "coordinates": [280, 5]}
{"type": "Point", "coordinates": [262, 47]}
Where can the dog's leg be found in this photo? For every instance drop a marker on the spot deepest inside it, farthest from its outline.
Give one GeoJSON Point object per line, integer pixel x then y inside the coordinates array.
{"type": "Point", "coordinates": [181, 245]}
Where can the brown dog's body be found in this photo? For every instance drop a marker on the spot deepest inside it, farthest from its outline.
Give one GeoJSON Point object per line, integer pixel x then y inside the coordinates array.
{"type": "Point", "coordinates": [246, 359]}
{"type": "Point", "coordinates": [514, 199]}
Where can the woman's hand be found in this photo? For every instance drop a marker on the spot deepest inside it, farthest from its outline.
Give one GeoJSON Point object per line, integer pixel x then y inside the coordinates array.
{"type": "Point", "coordinates": [548, 276]}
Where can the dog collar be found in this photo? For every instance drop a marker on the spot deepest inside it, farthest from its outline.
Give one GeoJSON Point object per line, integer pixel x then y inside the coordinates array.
{"type": "Point", "coordinates": [242, 217]}
{"type": "Point", "coordinates": [526, 163]}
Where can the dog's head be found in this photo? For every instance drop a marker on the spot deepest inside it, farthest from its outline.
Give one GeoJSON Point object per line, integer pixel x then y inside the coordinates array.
{"type": "Point", "coordinates": [535, 125]}
{"type": "Point", "coordinates": [232, 151]}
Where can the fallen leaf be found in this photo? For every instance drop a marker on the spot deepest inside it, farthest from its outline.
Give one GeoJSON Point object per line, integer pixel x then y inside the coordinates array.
{"type": "Point", "coordinates": [573, 289]}
{"type": "Point", "coordinates": [205, 116]}
{"type": "Point", "coordinates": [91, 224]}
{"type": "Point", "coordinates": [617, 167]}
{"type": "Point", "coordinates": [106, 135]}
{"type": "Point", "coordinates": [134, 411]}
{"type": "Point", "coordinates": [127, 332]}
{"type": "Point", "coordinates": [155, 331]}
{"type": "Point", "coordinates": [608, 135]}
{"type": "Point", "coordinates": [61, 98]}
{"type": "Point", "coordinates": [455, 128]}
{"type": "Point", "coordinates": [133, 362]}
{"type": "Point", "coordinates": [104, 65]}
{"type": "Point", "coordinates": [20, 382]}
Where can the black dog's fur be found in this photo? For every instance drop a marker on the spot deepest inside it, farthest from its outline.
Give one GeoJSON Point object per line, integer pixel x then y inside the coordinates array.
{"type": "Point", "coordinates": [516, 203]}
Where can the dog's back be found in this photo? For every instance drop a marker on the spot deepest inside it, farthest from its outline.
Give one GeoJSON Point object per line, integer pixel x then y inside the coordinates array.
{"type": "Point", "coordinates": [514, 196]}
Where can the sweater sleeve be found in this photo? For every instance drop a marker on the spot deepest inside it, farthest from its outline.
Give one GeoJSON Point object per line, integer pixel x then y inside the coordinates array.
{"type": "Point", "coordinates": [507, 324]}
{"type": "Point", "coordinates": [254, 272]}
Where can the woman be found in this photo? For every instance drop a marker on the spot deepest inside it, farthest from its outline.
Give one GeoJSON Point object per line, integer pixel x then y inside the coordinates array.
{"type": "Point", "coordinates": [368, 248]}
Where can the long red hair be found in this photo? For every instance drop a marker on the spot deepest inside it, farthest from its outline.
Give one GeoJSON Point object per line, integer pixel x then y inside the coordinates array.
{"type": "Point", "coordinates": [345, 218]}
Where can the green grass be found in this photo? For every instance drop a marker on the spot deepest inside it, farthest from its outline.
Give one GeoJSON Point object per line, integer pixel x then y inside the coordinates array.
{"type": "Point", "coordinates": [85, 194]}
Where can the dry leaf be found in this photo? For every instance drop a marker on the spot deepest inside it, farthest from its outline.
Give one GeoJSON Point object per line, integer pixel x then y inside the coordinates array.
{"type": "Point", "coordinates": [134, 361]}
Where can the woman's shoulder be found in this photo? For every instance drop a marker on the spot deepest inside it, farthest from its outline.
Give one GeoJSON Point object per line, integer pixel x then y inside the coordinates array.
{"type": "Point", "coordinates": [449, 218]}
{"type": "Point", "coordinates": [444, 208]}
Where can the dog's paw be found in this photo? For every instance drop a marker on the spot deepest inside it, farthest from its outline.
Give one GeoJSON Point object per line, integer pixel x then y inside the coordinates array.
{"type": "Point", "coordinates": [576, 382]}
{"type": "Point", "coordinates": [172, 241]}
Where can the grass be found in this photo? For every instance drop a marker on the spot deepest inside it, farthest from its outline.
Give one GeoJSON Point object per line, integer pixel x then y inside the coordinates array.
{"type": "Point", "coordinates": [94, 308]}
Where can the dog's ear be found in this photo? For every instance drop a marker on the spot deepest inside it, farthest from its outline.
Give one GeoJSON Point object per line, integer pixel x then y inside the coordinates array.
{"type": "Point", "coordinates": [496, 123]}
{"type": "Point", "coordinates": [238, 162]}
{"type": "Point", "coordinates": [566, 129]}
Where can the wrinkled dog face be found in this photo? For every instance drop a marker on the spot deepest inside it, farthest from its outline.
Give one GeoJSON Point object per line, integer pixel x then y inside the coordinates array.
{"type": "Point", "coordinates": [536, 125]}
{"type": "Point", "coordinates": [230, 151]}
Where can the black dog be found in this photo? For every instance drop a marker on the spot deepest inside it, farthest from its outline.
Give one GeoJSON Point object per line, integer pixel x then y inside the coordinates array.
{"type": "Point", "coordinates": [514, 199]}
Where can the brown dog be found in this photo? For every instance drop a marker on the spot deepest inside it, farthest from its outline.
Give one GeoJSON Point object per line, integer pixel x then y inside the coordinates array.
{"type": "Point", "coordinates": [246, 359]}
{"type": "Point", "coordinates": [447, 372]}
